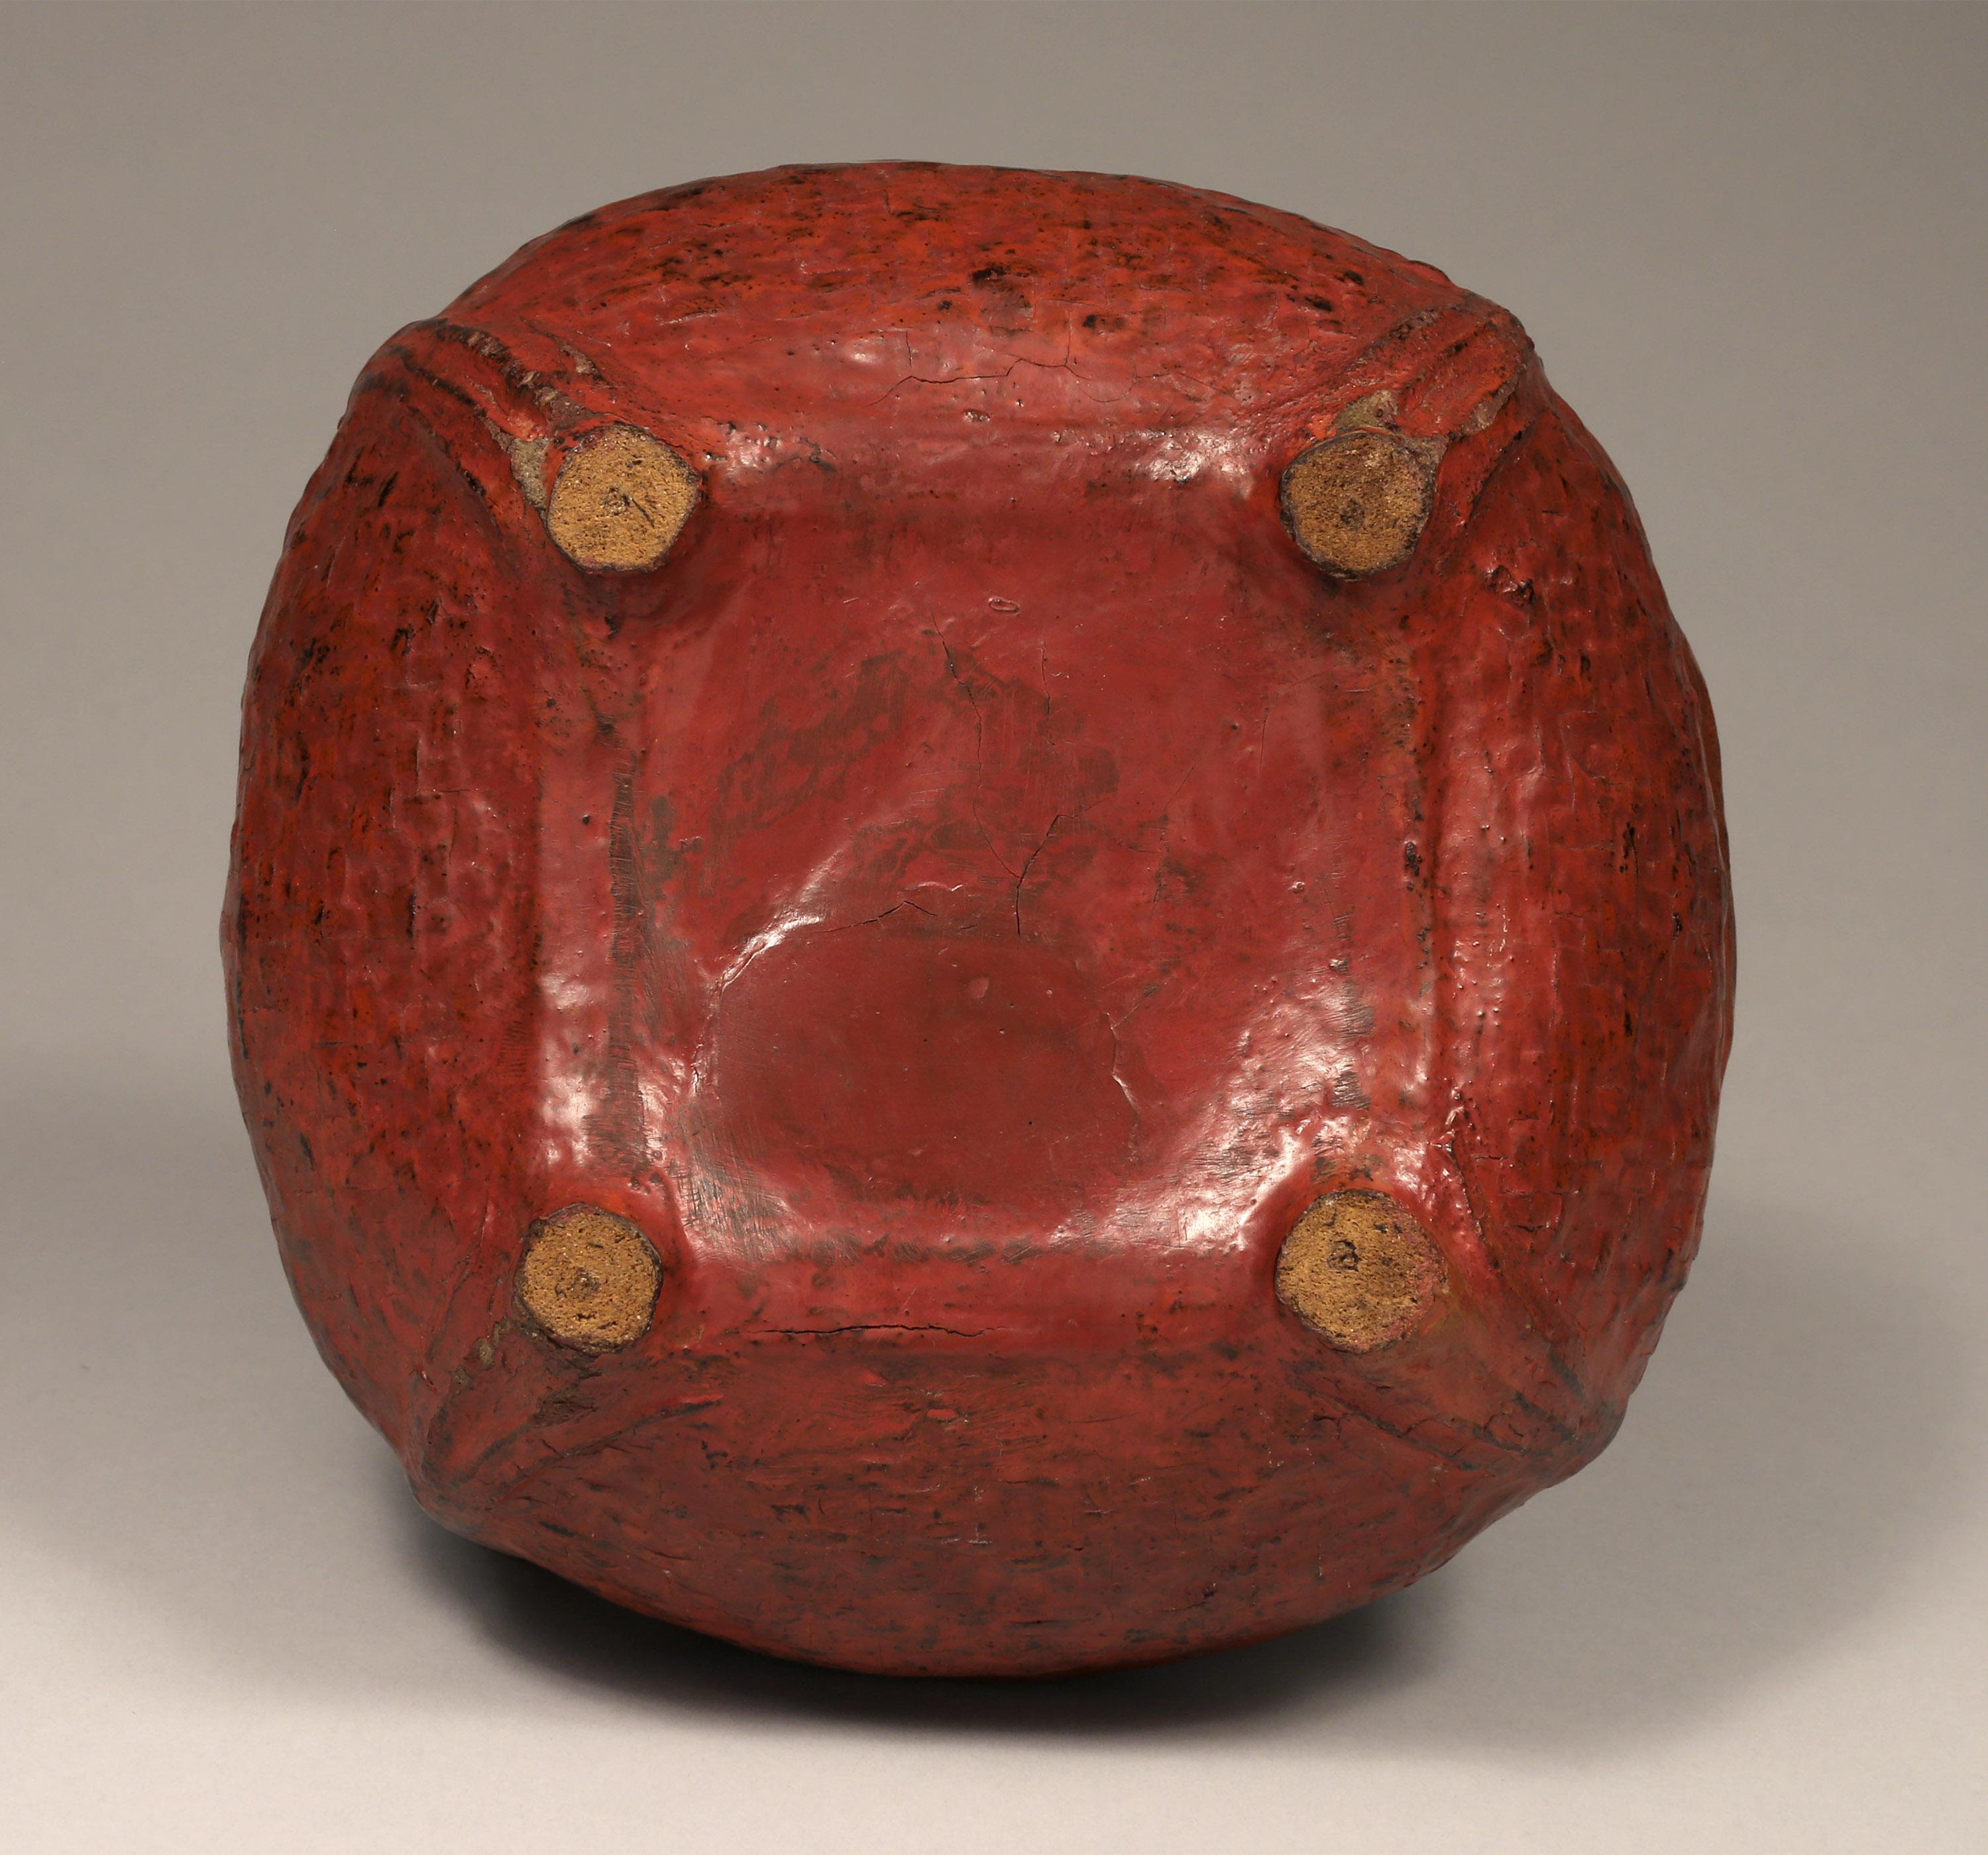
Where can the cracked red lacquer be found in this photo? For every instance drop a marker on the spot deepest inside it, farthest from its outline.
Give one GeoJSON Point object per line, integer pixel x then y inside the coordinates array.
{"type": "Point", "coordinates": [959, 910]}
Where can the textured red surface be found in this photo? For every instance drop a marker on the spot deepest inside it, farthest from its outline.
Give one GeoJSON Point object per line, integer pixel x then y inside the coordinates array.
{"type": "Point", "coordinates": [964, 905]}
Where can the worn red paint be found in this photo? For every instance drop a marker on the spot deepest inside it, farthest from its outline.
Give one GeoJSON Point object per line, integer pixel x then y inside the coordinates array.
{"type": "Point", "coordinates": [964, 906]}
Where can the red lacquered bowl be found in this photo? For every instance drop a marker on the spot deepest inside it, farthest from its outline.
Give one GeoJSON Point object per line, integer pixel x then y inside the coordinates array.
{"type": "Point", "coordinates": [979, 920]}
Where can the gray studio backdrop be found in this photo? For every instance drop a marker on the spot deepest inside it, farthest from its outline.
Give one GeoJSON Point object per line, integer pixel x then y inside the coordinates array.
{"type": "Point", "coordinates": [1749, 244]}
